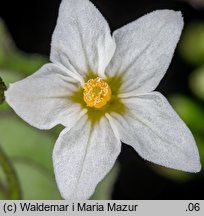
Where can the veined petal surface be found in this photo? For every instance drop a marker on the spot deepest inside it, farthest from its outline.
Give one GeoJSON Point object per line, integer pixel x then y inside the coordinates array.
{"type": "Point", "coordinates": [144, 49]}
{"type": "Point", "coordinates": [42, 99]}
{"type": "Point", "coordinates": [83, 156]}
{"type": "Point", "coordinates": [157, 133]}
{"type": "Point", "coordinates": [82, 41]}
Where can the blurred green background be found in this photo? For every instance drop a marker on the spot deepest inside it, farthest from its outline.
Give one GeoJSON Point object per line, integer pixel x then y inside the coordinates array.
{"type": "Point", "coordinates": [26, 170]}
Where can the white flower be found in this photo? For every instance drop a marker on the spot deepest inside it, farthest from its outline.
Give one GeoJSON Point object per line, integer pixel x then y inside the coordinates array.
{"type": "Point", "coordinates": [131, 63]}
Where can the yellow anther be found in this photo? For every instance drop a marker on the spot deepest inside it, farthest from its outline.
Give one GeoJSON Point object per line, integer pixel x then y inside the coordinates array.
{"type": "Point", "coordinates": [96, 93]}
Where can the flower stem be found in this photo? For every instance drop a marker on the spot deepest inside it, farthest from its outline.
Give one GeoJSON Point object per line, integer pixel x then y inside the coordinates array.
{"type": "Point", "coordinates": [2, 89]}
{"type": "Point", "coordinates": [12, 179]}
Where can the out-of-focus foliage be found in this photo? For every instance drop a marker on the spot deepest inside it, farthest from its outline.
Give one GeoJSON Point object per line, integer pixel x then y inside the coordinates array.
{"type": "Point", "coordinates": [197, 82]}
{"type": "Point", "coordinates": [29, 151]}
{"type": "Point", "coordinates": [191, 112]}
{"type": "Point", "coordinates": [104, 189]}
{"type": "Point", "coordinates": [192, 44]}
{"type": "Point", "coordinates": [13, 59]}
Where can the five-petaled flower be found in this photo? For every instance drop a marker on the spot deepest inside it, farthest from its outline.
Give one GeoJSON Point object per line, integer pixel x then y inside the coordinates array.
{"type": "Point", "coordinates": [101, 88]}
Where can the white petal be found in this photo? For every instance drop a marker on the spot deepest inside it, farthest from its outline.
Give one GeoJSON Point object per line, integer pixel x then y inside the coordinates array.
{"type": "Point", "coordinates": [82, 40]}
{"type": "Point", "coordinates": [145, 49]}
{"type": "Point", "coordinates": [83, 156]}
{"type": "Point", "coordinates": [42, 98]}
{"type": "Point", "coordinates": [157, 133]}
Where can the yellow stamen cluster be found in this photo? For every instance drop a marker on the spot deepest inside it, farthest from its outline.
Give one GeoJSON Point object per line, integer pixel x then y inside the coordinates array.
{"type": "Point", "coordinates": [96, 93]}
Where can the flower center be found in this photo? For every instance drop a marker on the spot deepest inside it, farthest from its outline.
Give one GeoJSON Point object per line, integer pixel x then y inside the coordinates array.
{"type": "Point", "coordinates": [96, 93]}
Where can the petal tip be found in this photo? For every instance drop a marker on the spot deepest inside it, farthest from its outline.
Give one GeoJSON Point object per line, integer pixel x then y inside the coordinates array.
{"type": "Point", "coordinates": [180, 18]}
{"type": "Point", "coordinates": [198, 167]}
{"type": "Point", "coordinates": [177, 16]}
{"type": "Point", "coordinates": [194, 167]}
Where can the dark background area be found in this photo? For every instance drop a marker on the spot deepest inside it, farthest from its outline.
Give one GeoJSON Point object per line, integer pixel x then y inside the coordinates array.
{"type": "Point", "coordinates": [31, 24]}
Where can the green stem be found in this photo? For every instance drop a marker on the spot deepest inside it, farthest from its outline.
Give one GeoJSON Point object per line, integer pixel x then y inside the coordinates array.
{"type": "Point", "coordinates": [2, 89]}
{"type": "Point", "coordinates": [11, 176]}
